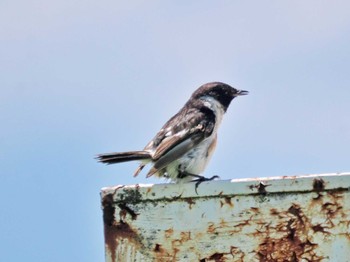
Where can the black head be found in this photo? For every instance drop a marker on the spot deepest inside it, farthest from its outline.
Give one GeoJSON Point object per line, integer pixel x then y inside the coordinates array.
{"type": "Point", "coordinates": [219, 91]}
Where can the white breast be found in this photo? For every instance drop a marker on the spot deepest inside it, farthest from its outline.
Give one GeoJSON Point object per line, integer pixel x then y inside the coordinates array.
{"type": "Point", "coordinates": [196, 160]}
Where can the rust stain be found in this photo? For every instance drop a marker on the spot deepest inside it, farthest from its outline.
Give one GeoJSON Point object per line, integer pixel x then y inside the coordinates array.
{"type": "Point", "coordinates": [346, 235]}
{"type": "Point", "coordinates": [108, 221]}
{"type": "Point", "coordinates": [243, 224]}
{"type": "Point", "coordinates": [190, 202]}
{"type": "Point", "coordinates": [261, 187]}
{"type": "Point", "coordinates": [175, 251]}
{"type": "Point", "coordinates": [185, 236]}
{"type": "Point", "coordinates": [246, 222]}
{"type": "Point", "coordinates": [237, 254]}
{"type": "Point", "coordinates": [288, 248]}
{"type": "Point", "coordinates": [295, 243]}
{"type": "Point", "coordinates": [124, 209]}
{"type": "Point", "coordinates": [333, 207]}
{"type": "Point", "coordinates": [217, 257]}
{"type": "Point", "coordinates": [274, 212]}
{"type": "Point", "coordinates": [169, 232]}
{"type": "Point", "coordinates": [157, 248]}
{"type": "Point", "coordinates": [123, 230]}
{"type": "Point", "coordinates": [318, 184]}
{"type": "Point", "coordinates": [331, 204]}
{"type": "Point", "coordinates": [176, 244]}
{"type": "Point", "coordinates": [162, 254]}
{"type": "Point", "coordinates": [114, 230]}
{"type": "Point", "coordinates": [255, 209]}
{"type": "Point", "coordinates": [122, 215]}
{"type": "Point", "coordinates": [211, 228]}
{"type": "Point", "coordinates": [282, 233]}
{"type": "Point", "coordinates": [226, 201]}
{"type": "Point", "coordinates": [295, 210]}
{"type": "Point", "coordinates": [319, 228]}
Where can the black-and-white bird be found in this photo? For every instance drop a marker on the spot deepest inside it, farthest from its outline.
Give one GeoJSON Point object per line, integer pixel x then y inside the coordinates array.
{"type": "Point", "coordinates": [183, 147]}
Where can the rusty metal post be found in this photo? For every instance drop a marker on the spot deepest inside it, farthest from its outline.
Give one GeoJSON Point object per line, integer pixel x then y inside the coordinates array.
{"type": "Point", "coordinates": [302, 218]}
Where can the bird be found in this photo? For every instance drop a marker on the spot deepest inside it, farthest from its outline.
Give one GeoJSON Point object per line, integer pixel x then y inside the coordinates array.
{"type": "Point", "coordinates": [182, 148]}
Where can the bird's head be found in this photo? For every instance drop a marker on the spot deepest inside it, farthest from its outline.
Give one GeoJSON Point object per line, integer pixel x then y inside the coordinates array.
{"type": "Point", "coordinates": [221, 92]}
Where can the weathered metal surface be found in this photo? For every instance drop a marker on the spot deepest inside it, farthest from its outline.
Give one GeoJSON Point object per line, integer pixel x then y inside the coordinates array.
{"type": "Point", "coordinates": [304, 218]}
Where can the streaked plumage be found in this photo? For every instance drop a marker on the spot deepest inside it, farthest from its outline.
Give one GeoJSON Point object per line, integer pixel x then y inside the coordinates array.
{"type": "Point", "coordinates": [182, 148]}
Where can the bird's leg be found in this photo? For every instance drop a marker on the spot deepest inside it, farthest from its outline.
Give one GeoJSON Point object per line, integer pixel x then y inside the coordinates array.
{"type": "Point", "coordinates": [198, 179]}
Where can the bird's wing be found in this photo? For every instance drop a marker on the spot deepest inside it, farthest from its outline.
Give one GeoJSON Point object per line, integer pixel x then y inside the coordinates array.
{"type": "Point", "coordinates": [176, 138]}
{"type": "Point", "coordinates": [182, 141]}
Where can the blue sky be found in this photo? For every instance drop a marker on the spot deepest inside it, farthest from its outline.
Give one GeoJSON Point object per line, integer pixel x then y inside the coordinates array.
{"type": "Point", "coordinates": [79, 78]}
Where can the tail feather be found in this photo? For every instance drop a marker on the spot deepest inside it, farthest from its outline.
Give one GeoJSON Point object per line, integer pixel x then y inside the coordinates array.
{"type": "Point", "coordinates": [113, 158]}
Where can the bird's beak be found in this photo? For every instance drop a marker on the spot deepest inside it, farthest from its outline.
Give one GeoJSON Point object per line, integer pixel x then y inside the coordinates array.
{"type": "Point", "coordinates": [242, 93]}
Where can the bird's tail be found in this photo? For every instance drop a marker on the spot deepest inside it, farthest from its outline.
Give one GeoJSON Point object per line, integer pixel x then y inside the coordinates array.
{"type": "Point", "coordinates": [113, 158]}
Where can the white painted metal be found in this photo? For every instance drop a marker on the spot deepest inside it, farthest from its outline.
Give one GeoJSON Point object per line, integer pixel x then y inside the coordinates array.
{"type": "Point", "coordinates": [301, 218]}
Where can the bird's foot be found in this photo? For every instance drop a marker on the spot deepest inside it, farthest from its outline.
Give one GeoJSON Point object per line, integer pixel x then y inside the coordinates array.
{"type": "Point", "coordinates": [200, 179]}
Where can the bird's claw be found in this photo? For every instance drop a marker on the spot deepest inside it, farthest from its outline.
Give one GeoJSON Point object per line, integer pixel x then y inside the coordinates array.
{"type": "Point", "coordinates": [201, 179]}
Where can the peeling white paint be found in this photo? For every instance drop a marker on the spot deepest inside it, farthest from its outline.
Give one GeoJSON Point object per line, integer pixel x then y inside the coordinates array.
{"type": "Point", "coordinates": [302, 218]}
